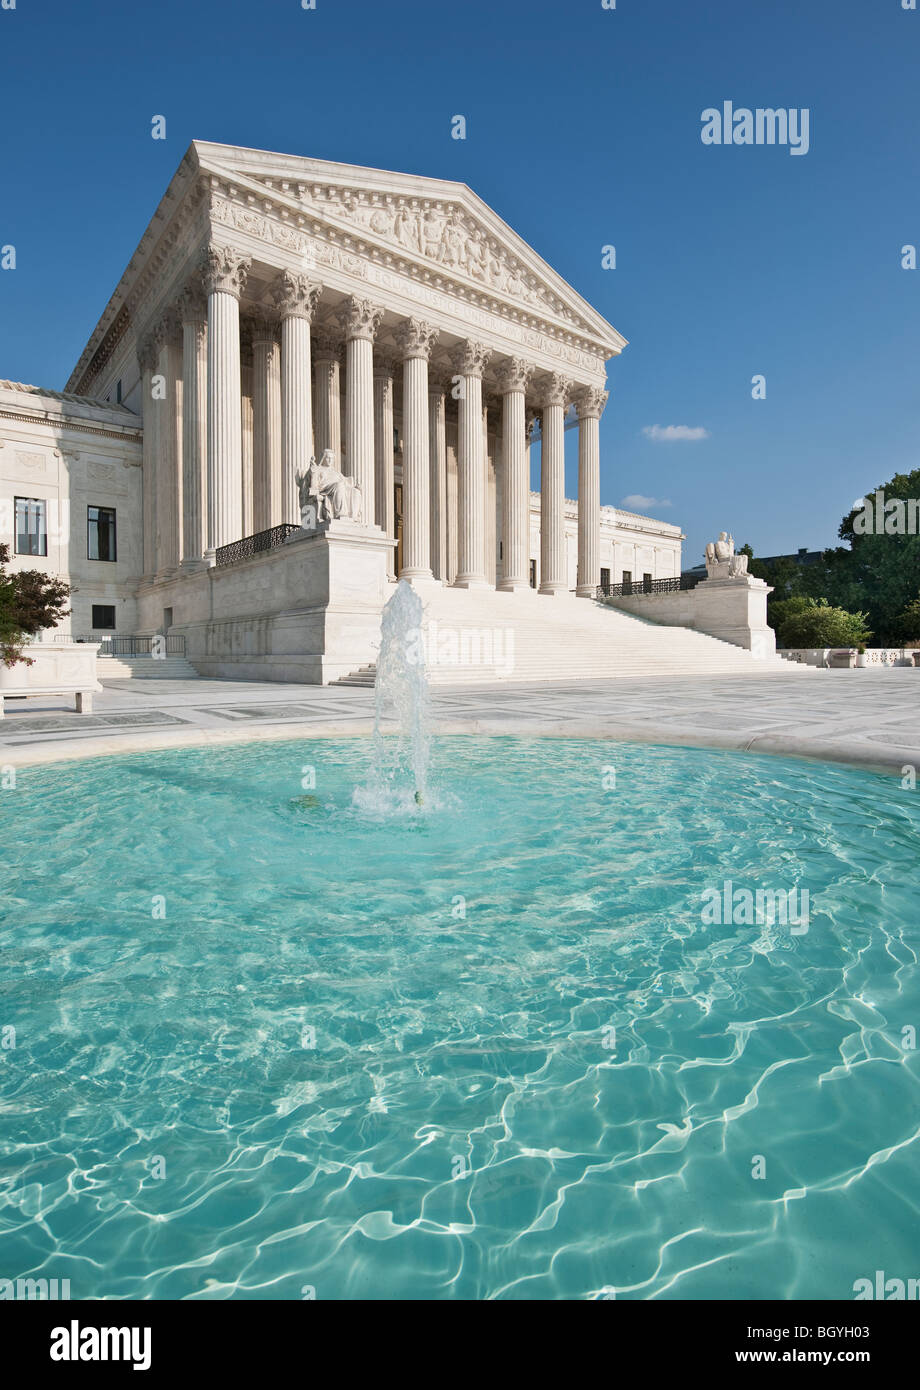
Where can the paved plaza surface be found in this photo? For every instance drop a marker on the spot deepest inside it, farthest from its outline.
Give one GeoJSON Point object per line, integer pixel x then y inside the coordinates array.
{"type": "Point", "coordinates": [869, 718]}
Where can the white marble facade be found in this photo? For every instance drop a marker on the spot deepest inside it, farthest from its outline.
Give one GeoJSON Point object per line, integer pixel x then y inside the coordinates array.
{"type": "Point", "coordinates": [278, 306]}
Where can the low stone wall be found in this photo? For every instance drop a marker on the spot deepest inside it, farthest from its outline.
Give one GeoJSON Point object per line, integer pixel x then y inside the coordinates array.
{"type": "Point", "coordinates": [58, 668]}
{"type": "Point", "coordinates": [308, 610]}
{"type": "Point", "coordinates": [876, 657]}
{"type": "Point", "coordinates": [734, 610]}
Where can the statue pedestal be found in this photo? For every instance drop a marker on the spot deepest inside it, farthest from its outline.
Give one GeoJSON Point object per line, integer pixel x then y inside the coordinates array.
{"type": "Point", "coordinates": [735, 610]}
{"type": "Point", "coordinates": [344, 564]}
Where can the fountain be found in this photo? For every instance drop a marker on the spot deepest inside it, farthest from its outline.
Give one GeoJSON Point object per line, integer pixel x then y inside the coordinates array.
{"type": "Point", "coordinates": [399, 776]}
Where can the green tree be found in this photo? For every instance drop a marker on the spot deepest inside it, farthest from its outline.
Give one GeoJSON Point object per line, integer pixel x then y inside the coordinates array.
{"type": "Point", "coordinates": [908, 622]}
{"type": "Point", "coordinates": [879, 572]}
{"type": "Point", "coordinates": [29, 602]}
{"type": "Point", "coordinates": [809, 622]}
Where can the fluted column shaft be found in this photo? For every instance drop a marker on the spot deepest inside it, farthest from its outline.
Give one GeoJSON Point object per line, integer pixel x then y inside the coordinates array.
{"type": "Point", "coordinates": [360, 321]}
{"type": "Point", "coordinates": [383, 456]}
{"type": "Point", "coordinates": [515, 479]}
{"type": "Point", "coordinates": [295, 299]}
{"type": "Point", "coordinates": [416, 339]}
{"type": "Point", "coordinates": [266, 429]}
{"type": "Point", "coordinates": [147, 360]}
{"type": "Point", "coordinates": [225, 274]}
{"type": "Point", "coordinates": [328, 406]}
{"type": "Point", "coordinates": [437, 480]}
{"type": "Point", "coordinates": [246, 438]}
{"type": "Point", "coordinates": [194, 428]}
{"type": "Point", "coordinates": [468, 364]}
{"type": "Point", "coordinates": [590, 404]}
{"type": "Point", "coordinates": [553, 578]}
{"type": "Point", "coordinates": [168, 408]}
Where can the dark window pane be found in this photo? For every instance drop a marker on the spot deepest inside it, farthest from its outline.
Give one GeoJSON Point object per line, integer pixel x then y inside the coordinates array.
{"type": "Point", "coordinates": [31, 526]}
{"type": "Point", "coordinates": [103, 617]}
{"type": "Point", "coordinates": [100, 533]}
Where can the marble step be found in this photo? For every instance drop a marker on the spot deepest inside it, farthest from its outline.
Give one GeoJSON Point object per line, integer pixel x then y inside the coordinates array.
{"type": "Point", "coordinates": [120, 668]}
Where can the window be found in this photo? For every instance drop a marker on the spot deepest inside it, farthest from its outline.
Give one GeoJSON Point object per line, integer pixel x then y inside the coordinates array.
{"type": "Point", "coordinates": [103, 617]}
{"type": "Point", "coordinates": [533, 574]}
{"type": "Point", "coordinates": [605, 580]}
{"type": "Point", "coordinates": [627, 581]}
{"type": "Point", "coordinates": [100, 533]}
{"type": "Point", "coordinates": [118, 391]}
{"type": "Point", "coordinates": [647, 583]}
{"type": "Point", "coordinates": [31, 526]}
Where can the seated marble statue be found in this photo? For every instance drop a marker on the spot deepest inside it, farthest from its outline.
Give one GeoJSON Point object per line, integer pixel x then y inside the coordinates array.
{"type": "Point", "coordinates": [721, 560]}
{"type": "Point", "coordinates": [327, 494]}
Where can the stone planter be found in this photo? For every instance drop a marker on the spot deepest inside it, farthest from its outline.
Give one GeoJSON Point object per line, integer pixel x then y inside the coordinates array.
{"type": "Point", "coordinates": [58, 668]}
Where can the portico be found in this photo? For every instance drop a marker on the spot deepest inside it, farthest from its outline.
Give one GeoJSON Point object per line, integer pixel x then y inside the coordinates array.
{"type": "Point", "coordinates": [391, 318]}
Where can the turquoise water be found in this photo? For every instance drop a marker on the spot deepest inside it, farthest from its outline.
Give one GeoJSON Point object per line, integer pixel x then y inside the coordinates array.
{"type": "Point", "coordinates": [457, 1123]}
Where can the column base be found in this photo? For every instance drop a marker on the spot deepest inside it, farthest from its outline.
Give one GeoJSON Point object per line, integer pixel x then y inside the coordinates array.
{"type": "Point", "coordinates": [209, 558]}
{"type": "Point", "coordinates": [552, 588]}
{"type": "Point", "coordinates": [471, 581]}
{"type": "Point", "coordinates": [512, 586]}
{"type": "Point", "coordinates": [192, 566]}
{"type": "Point", "coordinates": [586, 590]}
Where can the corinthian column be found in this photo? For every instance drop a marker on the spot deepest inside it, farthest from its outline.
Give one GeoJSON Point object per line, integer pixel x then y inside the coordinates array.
{"type": "Point", "coordinates": [168, 408]}
{"type": "Point", "coordinates": [513, 379]}
{"type": "Point", "coordinates": [224, 273]}
{"type": "Point", "coordinates": [589, 404]}
{"type": "Point", "coordinates": [266, 424]}
{"type": "Point", "coordinates": [328, 406]}
{"type": "Point", "coordinates": [295, 299]}
{"type": "Point", "coordinates": [437, 477]}
{"type": "Point", "coordinates": [147, 361]}
{"type": "Point", "coordinates": [552, 487]}
{"type": "Point", "coordinates": [469, 360]}
{"type": "Point", "coordinates": [383, 455]}
{"type": "Point", "coordinates": [193, 311]}
{"type": "Point", "coordinates": [416, 339]}
{"type": "Point", "coordinates": [360, 320]}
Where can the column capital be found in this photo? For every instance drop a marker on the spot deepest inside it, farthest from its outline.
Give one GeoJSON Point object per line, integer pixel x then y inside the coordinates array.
{"type": "Point", "coordinates": [554, 389]}
{"type": "Point", "coordinates": [191, 302]}
{"type": "Point", "coordinates": [470, 357]}
{"type": "Point", "coordinates": [384, 368]}
{"type": "Point", "coordinates": [328, 347]}
{"type": "Point", "coordinates": [514, 375]}
{"type": "Point", "coordinates": [264, 326]}
{"type": "Point", "coordinates": [359, 318]}
{"type": "Point", "coordinates": [147, 352]}
{"type": "Point", "coordinates": [590, 402]}
{"type": "Point", "coordinates": [224, 270]}
{"type": "Point", "coordinates": [415, 338]}
{"type": "Point", "coordinates": [294, 295]}
{"type": "Point", "coordinates": [167, 328]}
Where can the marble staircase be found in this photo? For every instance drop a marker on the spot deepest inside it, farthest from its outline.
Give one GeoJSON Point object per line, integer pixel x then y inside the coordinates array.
{"type": "Point", "coordinates": [537, 637]}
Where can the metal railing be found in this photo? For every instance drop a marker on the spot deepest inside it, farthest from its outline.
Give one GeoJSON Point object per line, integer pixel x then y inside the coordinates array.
{"type": "Point", "coordinates": [254, 545]}
{"type": "Point", "coordinates": [635, 588]}
{"type": "Point", "coordinates": [112, 645]}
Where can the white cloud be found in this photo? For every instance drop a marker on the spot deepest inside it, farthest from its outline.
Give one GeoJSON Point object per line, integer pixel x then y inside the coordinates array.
{"type": "Point", "coordinates": [666, 434]}
{"type": "Point", "coordinates": [635, 502]}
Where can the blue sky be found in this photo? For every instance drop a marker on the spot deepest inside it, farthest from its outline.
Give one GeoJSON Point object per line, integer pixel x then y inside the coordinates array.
{"type": "Point", "coordinates": [583, 130]}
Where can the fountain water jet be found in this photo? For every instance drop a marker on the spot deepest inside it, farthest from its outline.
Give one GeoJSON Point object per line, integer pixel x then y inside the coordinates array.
{"type": "Point", "coordinates": [398, 780]}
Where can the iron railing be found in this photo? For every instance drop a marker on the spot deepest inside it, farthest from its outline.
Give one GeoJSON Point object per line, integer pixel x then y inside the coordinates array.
{"type": "Point", "coordinates": [635, 588]}
{"type": "Point", "coordinates": [112, 645]}
{"type": "Point", "coordinates": [254, 545]}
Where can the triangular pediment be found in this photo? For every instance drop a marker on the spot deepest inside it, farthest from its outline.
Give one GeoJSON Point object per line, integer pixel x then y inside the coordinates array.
{"type": "Point", "coordinates": [441, 225]}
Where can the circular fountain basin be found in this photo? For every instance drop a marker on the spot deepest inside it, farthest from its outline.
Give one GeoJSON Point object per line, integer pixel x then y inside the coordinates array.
{"type": "Point", "coordinates": [519, 1042]}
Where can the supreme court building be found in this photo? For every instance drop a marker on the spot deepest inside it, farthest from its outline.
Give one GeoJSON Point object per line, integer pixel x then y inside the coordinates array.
{"type": "Point", "coordinates": [277, 307]}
